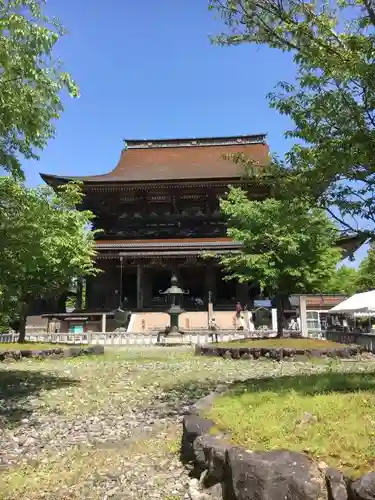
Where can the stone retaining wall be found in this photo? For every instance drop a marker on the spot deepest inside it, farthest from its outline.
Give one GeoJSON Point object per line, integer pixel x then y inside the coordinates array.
{"type": "Point", "coordinates": [54, 352]}
{"type": "Point", "coordinates": [276, 353]}
{"type": "Point", "coordinates": [223, 471]}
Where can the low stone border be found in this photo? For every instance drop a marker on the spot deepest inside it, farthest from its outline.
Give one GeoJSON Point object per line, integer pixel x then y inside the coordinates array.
{"type": "Point", "coordinates": [276, 353]}
{"type": "Point", "coordinates": [54, 352]}
{"type": "Point", "coordinates": [223, 471]}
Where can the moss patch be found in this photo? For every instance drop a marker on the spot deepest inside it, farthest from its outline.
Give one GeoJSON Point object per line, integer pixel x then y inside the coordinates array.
{"type": "Point", "coordinates": [285, 343]}
{"type": "Point", "coordinates": [331, 416]}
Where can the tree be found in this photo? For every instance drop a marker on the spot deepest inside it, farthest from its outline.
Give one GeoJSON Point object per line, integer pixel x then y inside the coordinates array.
{"type": "Point", "coordinates": [31, 81]}
{"type": "Point", "coordinates": [366, 272]}
{"type": "Point", "coordinates": [45, 242]}
{"type": "Point", "coordinates": [287, 247]}
{"type": "Point", "coordinates": [344, 280]}
{"type": "Point", "coordinates": [332, 102]}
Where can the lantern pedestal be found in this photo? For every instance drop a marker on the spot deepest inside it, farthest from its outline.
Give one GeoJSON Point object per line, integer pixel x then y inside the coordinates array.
{"type": "Point", "coordinates": [174, 314]}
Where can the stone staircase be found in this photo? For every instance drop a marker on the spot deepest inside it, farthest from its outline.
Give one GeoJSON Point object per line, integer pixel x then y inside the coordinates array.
{"type": "Point", "coordinates": [189, 320]}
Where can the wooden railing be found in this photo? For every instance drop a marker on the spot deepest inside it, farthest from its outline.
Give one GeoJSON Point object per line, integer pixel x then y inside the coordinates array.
{"type": "Point", "coordinates": [121, 339]}
{"type": "Point", "coordinates": [367, 340]}
{"type": "Point", "coordinates": [150, 338]}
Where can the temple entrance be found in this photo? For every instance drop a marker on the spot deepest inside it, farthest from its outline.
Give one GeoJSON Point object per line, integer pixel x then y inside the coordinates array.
{"type": "Point", "coordinates": [225, 289]}
{"type": "Point", "coordinates": [161, 280]}
{"type": "Point", "coordinates": [129, 288]}
{"type": "Point", "coordinates": [193, 280]}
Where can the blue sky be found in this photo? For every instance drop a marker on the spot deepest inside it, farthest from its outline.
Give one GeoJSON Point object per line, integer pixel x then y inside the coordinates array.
{"type": "Point", "coordinates": [148, 70]}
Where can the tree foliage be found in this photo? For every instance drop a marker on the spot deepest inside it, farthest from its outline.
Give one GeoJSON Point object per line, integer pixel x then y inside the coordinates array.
{"type": "Point", "coordinates": [344, 280]}
{"type": "Point", "coordinates": [31, 81]}
{"type": "Point", "coordinates": [332, 101]}
{"type": "Point", "coordinates": [366, 272]}
{"type": "Point", "coordinates": [287, 247]}
{"type": "Point", "coordinates": [44, 243]}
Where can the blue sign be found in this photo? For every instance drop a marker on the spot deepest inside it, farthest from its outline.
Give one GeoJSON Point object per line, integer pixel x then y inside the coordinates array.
{"type": "Point", "coordinates": [262, 303]}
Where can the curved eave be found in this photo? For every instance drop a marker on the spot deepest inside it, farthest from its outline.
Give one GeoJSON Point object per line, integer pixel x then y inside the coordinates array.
{"type": "Point", "coordinates": [350, 244]}
{"type": "Point", "coordinates": [54, 180]}
{"type": "Point", "coordinates": [113, 182]}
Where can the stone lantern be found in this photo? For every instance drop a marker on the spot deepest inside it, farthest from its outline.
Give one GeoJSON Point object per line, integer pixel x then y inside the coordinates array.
{"type": "Point", "coordinates": [174, 295]}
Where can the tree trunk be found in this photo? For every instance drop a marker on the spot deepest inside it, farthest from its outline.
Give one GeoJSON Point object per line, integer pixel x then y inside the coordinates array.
{"type": "Point", "coordinates": [280, 315]}
{"type": "Point", "coordinates": [24, 309]}
{"type": "Point", "coordinates": [22, 329]}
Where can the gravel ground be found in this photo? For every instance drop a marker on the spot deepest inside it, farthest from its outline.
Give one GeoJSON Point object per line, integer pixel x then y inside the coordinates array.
{"type": "Point", "coordinates": [109, 427]}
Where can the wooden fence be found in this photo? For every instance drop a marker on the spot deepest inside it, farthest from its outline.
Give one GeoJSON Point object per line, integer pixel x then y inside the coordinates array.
{"type": "Point", "coordinates": [130, 338]}
{"type": "Point", "coordinates": [122, 339]}
{"type": "Point", "coordinates": [367, 340]}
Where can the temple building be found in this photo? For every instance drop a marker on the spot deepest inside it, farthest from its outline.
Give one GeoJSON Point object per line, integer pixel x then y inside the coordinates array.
{"type": "Point", "coordinates": [158, 211]}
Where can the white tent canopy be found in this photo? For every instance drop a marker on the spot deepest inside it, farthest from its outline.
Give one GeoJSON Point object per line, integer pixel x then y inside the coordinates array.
{"type": "Point", "coordinates": [370, 314]}
{"type": "Point", "coordinates": [359, 303]}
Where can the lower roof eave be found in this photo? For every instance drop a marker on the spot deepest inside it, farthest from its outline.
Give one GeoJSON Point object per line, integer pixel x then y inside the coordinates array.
{"type": "Point", "coordinates": [162, 254]}
{"type": "Point", "coordinates": [160, 245]}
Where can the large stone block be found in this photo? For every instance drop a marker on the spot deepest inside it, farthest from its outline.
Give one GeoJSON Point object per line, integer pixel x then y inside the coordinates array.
{"type": "Point", "coordinates": [72, 351]}
{"type": "Point", "coordinates": [337, 485]}
{"type": "Point", "coordinates": [95, 349]}
{"type": "Point", "coordinates": [364, 487]}
{"type": "Point", "coordinates": [274, 475]}
{"type": "Point", "coordinates": [193, 426]}
{"type": "Point", "coordinates": [210, 455]}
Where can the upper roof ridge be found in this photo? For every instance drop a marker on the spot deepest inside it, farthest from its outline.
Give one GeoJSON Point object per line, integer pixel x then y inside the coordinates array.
{"type": "Point", "coordinates": [231, 140]}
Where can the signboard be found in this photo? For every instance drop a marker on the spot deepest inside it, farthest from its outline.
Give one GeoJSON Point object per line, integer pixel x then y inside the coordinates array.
{"type": "Point", "coordinates": [77, 329]}
{"type": "Point", "coordinates": [262, 303]}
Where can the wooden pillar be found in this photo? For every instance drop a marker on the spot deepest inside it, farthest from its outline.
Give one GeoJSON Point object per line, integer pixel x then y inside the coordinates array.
{"type": "Point", "coordinates": [139, 286]}
{"type": "Point", "coordinates": [104, 323]}
{"type": "Point", "coordinates": [147, 286]}
{"type": "Point", "coordinates": [274, 319]}
{"type": "Point", "coordinates": [303, 315]}
{"type": "Point", "coordinates": [211, 283]}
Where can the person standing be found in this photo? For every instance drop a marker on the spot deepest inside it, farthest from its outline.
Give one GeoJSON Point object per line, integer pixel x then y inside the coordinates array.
{"type": "Point", "coordinates": [238, 313]}
{"type": "Point", "coordinates": [250, 322]}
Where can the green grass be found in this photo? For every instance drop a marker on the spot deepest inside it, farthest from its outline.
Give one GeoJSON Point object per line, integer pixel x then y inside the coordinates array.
{"type": "Point", "coordinates": [331, 416]}
{"type": "Point", "coordinates": [287, 343]}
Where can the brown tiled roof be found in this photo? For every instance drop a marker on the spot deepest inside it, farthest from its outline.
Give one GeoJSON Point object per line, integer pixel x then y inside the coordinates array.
{"type": "Point", "coordinates": [324, 300]}
{"type": "Point", "coordinates": [179, 159]}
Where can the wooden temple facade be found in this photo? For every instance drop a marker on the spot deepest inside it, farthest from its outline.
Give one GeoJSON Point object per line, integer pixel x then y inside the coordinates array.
{"type": "Point", "coordinates": [158, 211]}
